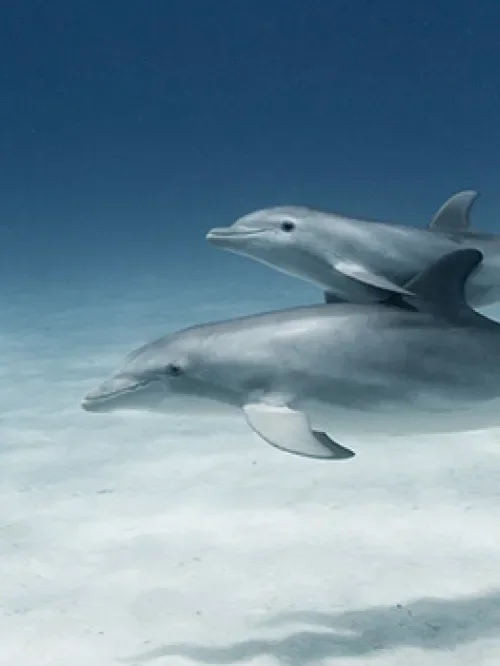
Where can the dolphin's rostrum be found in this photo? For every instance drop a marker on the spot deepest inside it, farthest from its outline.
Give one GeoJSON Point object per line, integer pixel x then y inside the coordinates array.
{"type": "Point", "coordinates": [426, 362]}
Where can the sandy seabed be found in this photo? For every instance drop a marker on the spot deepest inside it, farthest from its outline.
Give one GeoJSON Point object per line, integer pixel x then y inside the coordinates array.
{"type": "Point", "coordinates": [173, 540]}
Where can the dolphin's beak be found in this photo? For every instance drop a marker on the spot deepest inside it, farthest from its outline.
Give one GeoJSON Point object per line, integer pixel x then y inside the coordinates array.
{"type": "Point", "coordinates": [221, 232]}
{"type": "Point", "coordinates": [229, 236]}
{"type": "Point", "coordinates": [104, 396]}
{"type": "Point", "coordinates": [222, 236]}
{"type": "Point", "coordinates": [90, 404]}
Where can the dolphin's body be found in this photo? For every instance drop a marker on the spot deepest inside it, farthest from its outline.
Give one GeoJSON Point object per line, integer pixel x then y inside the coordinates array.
{"type": "Point", "coordinates": [359, 260]}
{"type": "Point", "coordinates": [422, 364]}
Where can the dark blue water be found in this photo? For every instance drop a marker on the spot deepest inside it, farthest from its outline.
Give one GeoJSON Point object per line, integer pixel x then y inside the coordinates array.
{"type": "Point", "coordinates": [128, 128]}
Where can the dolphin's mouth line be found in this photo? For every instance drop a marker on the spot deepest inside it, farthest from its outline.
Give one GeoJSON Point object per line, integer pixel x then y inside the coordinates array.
{"type": "Point", "coordinates": [106, 397]}
{"type": "Point", "coordinates": [226, 233]}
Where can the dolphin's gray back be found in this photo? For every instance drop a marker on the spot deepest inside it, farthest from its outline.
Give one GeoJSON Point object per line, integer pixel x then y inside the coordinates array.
{"type": "Point", "coordinates": [481, 239]}
{"type": "Point", "coordinates": [358, 357]}
{"type": "Point", "coordinates": [401, 250]}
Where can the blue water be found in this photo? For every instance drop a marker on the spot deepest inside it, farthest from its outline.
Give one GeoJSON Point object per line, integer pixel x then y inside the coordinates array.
{"type": "Point", "coordinates": [127, 130]}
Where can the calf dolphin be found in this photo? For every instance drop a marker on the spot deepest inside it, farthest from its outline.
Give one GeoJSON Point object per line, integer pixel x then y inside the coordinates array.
{"type": "Point", "coordinates": [360, 260]}
{"type": "Point", "coordinates": [425, 363]}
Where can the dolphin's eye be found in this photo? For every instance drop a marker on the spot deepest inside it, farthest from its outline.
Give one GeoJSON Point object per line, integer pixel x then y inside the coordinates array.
{"type": "Point", "coordinates": [287, 226]}
{"type": "Point", "coordinates": [173, 370]}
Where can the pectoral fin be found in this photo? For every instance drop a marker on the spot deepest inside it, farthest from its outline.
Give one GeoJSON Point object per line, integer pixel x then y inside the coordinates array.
{"type": "Point", "coordinates": [290, 431]}
{"type": "Point", "coordinates": [363, 274]}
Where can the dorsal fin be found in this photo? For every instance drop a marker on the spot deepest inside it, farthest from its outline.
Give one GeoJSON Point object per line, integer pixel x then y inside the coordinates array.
{"type": "Point", "coordinates": [454, 213]}
{"type": "Point", "coordinates": [441, 287]}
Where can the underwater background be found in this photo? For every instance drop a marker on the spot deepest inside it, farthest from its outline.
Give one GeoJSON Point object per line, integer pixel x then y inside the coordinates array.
{"type": "Point", "coordinates": [127, 130]}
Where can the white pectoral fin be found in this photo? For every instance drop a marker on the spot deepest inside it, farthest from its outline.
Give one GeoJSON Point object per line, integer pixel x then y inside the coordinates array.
{"type": "Point", "coordinates": [362, 274]}
{"type": "Point", "coordinates": [290, 431]}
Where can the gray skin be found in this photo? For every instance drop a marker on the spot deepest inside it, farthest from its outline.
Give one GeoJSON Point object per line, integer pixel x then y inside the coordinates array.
{"type": "Point", "coordinates": [359, 260]}
{"type": "Point", "coordinates": [426, 363]}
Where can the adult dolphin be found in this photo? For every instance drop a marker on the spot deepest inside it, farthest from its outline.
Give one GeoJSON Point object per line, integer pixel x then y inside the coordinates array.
{"type": "Point", "coordinates": [422, 364]}
{"type": "Point", "coordinates": [359, 260]}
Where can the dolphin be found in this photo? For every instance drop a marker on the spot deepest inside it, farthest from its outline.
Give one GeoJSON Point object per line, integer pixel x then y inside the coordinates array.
{"type": "Point", "coordinates": [424, 363]}
{"type": "Point", "coordinates": [360, 260]}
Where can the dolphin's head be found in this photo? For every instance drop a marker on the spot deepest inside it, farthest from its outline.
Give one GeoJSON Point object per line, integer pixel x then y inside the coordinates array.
{"type": "Point", "coordinates": [288, 238]}
{"type": "Point", "coordinates": [158, 376]}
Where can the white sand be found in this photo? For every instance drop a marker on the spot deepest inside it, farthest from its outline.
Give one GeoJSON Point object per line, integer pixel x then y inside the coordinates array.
{"type": "Point", "coordinates": [132, 539]}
